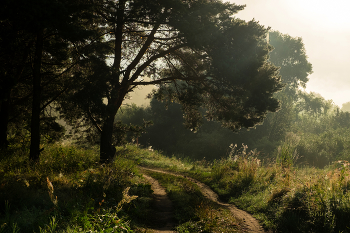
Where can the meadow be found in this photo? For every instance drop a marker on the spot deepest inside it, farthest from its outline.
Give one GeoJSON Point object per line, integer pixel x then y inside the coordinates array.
{"type": "Point", "coordinates": [284, 197]}
{"type": "Point", "coordinates": [69, 191]}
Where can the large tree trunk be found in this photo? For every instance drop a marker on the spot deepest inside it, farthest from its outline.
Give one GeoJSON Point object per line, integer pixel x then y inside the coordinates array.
{"type": "Point", "coordinates": [4, 120]}
{"type": "Point", "coordinates": [107, 149]}
{"type": "Point", "coordinates": [35, 121]}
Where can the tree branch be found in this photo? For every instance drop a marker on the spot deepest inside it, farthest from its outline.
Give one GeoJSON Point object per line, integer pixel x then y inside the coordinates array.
{"type": "Point", "coordinates": [159, 81]}
{"type": "Point", "coordinates": [141, 53]}
{"type": "Point", "coordinates": [152, 59]}
{"type": "Point", "coordinates": [93, 121]}
{"type": "Point", "coordinates": [166, 38]}
{"type": "Point", "coordinates": [53, 99]}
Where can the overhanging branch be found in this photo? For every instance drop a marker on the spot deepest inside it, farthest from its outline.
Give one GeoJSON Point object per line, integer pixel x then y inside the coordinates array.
{"type": "Point", "coordinates": [152, 59]}
{"type": "Point", "coordinates": [94, 122]}
{"type": "Point", "coordinates": [53, 99]}
{"type": "Point", "coordinates": [163, 80]}
{"type": "Point", "coordinates": [142, 51]}
{"type": "Point", "coordinates": [159, 81]}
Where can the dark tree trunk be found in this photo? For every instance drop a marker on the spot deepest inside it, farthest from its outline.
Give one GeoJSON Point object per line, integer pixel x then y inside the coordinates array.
{"type": "Point", "coordinates": [4, 120]}
{"type": "Point", "coordinates": [35, 121]}
{"type": "Point", "coordinates": [107, 149]}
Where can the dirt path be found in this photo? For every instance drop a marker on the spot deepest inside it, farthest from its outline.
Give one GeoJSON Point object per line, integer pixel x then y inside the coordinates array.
{"type": "Point", "coordinates": [163, 206]}
{"type": "Point", "coordinates": [251, 224]}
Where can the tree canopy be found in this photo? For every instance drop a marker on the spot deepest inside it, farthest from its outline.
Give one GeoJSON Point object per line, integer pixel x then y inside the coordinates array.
{"type": "Point", "coordinates": [346, 107]}
{"type": "Point", "coordinates": [290, 55]}
{"type": "Point", "coordinates": [196, 52]}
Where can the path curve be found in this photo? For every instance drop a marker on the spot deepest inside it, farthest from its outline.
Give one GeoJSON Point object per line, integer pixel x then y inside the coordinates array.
{"type": "Point", "coordinates": [164, 214]}
{"type": "Point", "coordinates": [251, 224]}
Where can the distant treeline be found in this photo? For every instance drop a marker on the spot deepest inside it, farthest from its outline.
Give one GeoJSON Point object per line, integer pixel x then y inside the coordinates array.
{"type": "Point", "coordinates": [315, 129]}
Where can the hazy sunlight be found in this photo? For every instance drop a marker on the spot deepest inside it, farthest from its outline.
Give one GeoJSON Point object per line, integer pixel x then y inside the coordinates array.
{"type": "Point", "coordinates": [329, 14]}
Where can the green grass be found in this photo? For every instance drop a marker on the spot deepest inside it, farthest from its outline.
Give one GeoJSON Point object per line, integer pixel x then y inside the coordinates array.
{"type": "Point", "coordinates": [69, 191]}
{"type": "Point", "coordinates": [283, 197]}
{"type": "Point", "coordinates": [152, 158]}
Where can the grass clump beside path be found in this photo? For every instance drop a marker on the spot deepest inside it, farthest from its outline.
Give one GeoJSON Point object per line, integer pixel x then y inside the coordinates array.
{"type": "Point", "coordinates": [69, 191]}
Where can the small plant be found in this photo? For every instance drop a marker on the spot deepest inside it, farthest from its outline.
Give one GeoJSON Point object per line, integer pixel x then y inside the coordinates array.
{"type": "Point", "coordinates": [51, 227]}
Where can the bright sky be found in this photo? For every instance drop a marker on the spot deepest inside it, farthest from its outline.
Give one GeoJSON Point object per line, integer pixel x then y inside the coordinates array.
{"type": "Point", "coordinates": [324, 27]}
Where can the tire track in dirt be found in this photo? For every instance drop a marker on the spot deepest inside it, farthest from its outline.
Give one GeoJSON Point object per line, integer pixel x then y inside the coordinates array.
{"type": "Point", "coordinates": [164, 209]}
{"type": "Point", "coordinates": [251, 224]}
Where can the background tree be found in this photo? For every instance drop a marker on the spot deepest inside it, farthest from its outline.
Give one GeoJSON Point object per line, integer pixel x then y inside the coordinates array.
{"type": "Point", "coordinates": [194, 50]}
{"type": "Point", "coordinates": [169, 135]}
{"type": "Point", "coordinates": [290, 55]}
{"type": "Point", "coordinates": [346, 107]}
{"type": "Point", "coordinates": [313, 104]}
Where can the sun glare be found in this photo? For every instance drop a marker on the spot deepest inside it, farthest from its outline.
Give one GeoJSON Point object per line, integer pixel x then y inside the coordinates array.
{"type": "Point", "coordinates": [326, 14]}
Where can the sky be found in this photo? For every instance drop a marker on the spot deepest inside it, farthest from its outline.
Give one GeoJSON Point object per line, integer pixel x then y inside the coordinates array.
{"type": "Point", "coordinates": [324, 27]}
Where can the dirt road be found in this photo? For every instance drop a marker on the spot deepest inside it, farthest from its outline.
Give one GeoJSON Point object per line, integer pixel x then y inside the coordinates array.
{"type": "Point", "coordinates": [251, 224]}
{"type": "Point", "coordinates": [163, 206]}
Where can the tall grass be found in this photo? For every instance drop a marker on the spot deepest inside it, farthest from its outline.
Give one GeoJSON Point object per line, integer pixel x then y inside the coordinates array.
{"type": "Point", "coordinates": [290, 199]}
{"type": "Point", "coordinates": [69, 191]}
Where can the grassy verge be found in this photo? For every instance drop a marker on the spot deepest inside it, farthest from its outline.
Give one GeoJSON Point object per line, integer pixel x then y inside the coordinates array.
{"type": "Point", "coordinates": [193, 212]}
